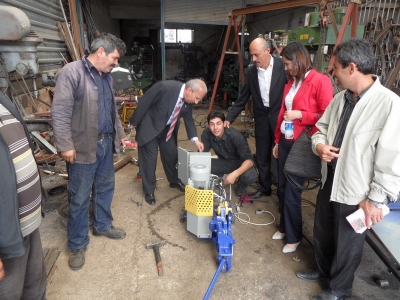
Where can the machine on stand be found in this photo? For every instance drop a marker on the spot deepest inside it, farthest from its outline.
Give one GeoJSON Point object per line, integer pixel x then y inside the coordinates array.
{"type": "Point", "coordinates": [204, 218]}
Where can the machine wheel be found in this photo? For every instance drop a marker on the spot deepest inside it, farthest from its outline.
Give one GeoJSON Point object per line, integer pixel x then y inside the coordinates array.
{"type": "Point", "coordinates": [182, 217]}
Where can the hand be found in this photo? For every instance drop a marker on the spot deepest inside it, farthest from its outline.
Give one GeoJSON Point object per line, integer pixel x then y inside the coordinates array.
{"type": "Point", "coordinates": [123, 141]}
{"type": "Point", "coordinates": [199, 145]}
{"type": "Point", "coordinates": [230, 178]}
{"type": "Point", "coordinates": [327, 152]}
{"type": "Point", "coordinates": [2, 272]}
{"type": "Point", "coordinates": [227, 123]}
{"type": "Point", "coordinates": [69, 156]}
{"type": "Point", "coordinates": [291, 115]}
{"type": "Point", "coordinates": [371, 212]}
{"type": "Point", "coordinates": [275, 151]}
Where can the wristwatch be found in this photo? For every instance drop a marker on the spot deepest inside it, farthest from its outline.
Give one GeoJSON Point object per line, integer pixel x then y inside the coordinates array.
{"type": "Point", "coordinates": [375, 203]}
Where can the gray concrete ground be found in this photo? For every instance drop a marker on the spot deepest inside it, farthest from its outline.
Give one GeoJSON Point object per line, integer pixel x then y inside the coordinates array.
{"type": "Point", "coordinates": [125, 269]}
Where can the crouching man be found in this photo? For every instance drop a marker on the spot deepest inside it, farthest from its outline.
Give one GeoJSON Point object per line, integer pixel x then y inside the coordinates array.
{"type": "Point", "coordinates": [234, 155]}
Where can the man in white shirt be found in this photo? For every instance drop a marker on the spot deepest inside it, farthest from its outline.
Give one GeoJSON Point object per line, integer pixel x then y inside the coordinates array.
{"type": "Point", "coordinates": [264, 82]}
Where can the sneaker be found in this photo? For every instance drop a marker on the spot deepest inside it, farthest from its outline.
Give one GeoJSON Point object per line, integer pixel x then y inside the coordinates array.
{"type": "Point", "coordinates": [77, 259]}
{"type": "Point", "coordinates": [112, 233]}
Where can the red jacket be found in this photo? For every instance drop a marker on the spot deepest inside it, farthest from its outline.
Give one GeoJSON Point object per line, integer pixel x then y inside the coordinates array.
{"type": "Point", "coordinates": [311, 99]}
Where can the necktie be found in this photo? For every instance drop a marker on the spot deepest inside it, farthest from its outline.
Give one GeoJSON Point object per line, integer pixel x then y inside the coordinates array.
{"type": "Point", "coordinates": [174, 119]}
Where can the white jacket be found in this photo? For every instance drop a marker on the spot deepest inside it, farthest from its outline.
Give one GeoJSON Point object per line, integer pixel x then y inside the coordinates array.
{"type": "Point", "coordinates": [369, 162]}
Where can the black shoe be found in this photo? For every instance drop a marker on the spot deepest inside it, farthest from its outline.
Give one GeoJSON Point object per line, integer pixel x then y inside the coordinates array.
{"type": "Point", "coordinates": [240, 192]}
{"type": "Point", "coordinates": [325, 295]}
{"type": "Point", "coordinates": [76, 259]}
{"type": "Point", "coordinates": [149, 198]}
{"type": "Point", "coordinates": [309, 275]}
{"type": "Point", "coordinates": [259, 194]}
{"type": "Point", "coordinates": [112, 233]}
{"type": "Point", "coordinates": [178, 185]}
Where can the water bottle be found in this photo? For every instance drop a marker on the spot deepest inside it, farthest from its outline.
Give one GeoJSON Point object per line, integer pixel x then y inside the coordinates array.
{"type": "Point", "coordinates": [289, 130]}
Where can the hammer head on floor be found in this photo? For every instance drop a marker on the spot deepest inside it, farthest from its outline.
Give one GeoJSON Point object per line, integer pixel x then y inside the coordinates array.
{"type": "Point", "coordinates": [156, 244]}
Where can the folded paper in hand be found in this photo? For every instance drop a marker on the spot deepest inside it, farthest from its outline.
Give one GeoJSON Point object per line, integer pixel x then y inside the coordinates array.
{"type": "Point", "coordinates": [357, 219]}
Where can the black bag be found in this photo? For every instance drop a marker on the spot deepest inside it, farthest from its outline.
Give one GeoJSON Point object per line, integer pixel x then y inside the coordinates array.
{"type": "Point", "coordinates": [302, 162]}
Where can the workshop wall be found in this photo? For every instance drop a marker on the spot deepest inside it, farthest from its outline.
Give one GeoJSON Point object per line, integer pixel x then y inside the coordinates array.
{"type": "Point", "coordinates": [100, 13]}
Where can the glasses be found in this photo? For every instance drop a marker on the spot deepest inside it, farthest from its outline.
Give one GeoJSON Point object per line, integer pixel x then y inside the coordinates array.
{"type": "Point", "coordinates": [197, 98]}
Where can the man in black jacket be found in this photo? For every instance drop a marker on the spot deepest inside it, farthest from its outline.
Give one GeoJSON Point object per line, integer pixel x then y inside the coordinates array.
{"type": "Point", "coordinates": [156, 119]}
{"type": "Point", "coordinates": [22, 269]}
{"type": "Point", "coordinates": [264, 82]}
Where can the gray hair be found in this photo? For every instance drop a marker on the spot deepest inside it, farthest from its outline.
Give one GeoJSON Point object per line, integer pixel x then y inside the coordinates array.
{"type": "Point", "coordinates": [357, 51]}
{"type": "Point", "coordinates": [267, 42]}
{"type": "Point", "coordinates": [196, 84]}
{"type": "Point", "coordinates": [109, 42]}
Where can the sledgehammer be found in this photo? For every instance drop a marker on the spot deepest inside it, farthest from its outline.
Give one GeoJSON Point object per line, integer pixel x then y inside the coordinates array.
{"type": "Point", "coordinates": [156, 247]}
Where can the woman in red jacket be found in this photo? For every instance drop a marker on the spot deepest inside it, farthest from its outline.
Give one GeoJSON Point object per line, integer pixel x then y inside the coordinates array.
{"type": "Point", "coordinates": [305, 97]}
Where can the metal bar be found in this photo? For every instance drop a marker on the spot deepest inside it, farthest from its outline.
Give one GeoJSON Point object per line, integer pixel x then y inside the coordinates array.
{"type": "Point", "coordinates": [272, 6]}
{"type": "Point", "coordinates": [236, 33]}
{"type": "Point", "coordinates": [238, 48]}
{"type": "Point", "coordinates": [333, 20]}
{"type": "Point", "coordinates": [50, 60]}
{"type": "Point", "coordinates": [163, 71]}
{"type": "Point", "coordinates": [220, 64]}
{"type": "Point", "coordinates": [341, 33]}
{"type": "Point", "coordinates": [214, 280]}
{"type": "Point", "coordinates": [382, 256]}
{"type": "Point", "coordinates": [45, 143]}
{"type": "Point", "coordinates": [354, 20]}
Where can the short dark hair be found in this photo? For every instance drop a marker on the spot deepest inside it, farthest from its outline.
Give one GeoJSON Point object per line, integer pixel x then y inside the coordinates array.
{"type": "Point", "coordinates": [357, 51]}
{"type": "Point", "coordinates": [109, 42]}
{"type": "Point", "coordinates": [300, 58]}
{"type": "Point", "coordinates": [215, 114]}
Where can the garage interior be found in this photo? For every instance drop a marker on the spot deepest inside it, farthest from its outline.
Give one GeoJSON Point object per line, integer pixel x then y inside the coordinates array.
{"type": "Point", "coordinates": [202, 39]}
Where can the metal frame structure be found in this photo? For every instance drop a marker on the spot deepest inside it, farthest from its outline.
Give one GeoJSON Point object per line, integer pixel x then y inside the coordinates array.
{"type": "Point", "coordinates": [232, 22]}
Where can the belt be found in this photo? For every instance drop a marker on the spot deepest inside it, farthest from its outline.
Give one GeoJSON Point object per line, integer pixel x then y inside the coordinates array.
{"type": "Point", "coordinates": [102, 136]}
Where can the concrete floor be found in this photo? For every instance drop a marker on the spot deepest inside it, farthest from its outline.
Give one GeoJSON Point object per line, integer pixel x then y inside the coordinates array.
{"type": "Point", "coordinates": [125, 269]}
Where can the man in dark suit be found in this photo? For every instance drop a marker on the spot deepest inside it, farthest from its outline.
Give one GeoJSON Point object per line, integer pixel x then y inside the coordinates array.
{"type": "Point", "coordinates": [264, 82]}
{"type": "Point", "coordinates": [156, 119]}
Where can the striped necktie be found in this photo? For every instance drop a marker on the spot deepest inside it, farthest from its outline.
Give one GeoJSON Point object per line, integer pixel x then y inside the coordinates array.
{"type": "Point", "coordinates": [174, 119]}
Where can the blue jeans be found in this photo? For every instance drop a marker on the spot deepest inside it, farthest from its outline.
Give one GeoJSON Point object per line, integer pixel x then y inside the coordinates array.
{"type": "Point", "coordinates": [84, 179]}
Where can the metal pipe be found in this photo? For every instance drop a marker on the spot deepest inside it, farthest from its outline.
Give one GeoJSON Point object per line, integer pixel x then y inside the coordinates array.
{"type": "Point", "coordinates": [122, 162]}
{"type": "Point", "coordinates": [163, 75]}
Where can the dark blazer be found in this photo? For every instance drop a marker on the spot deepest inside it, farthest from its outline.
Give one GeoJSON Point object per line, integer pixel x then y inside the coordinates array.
{"type": "Point", "coordinates": [155, 108]}
{"type": "Point", "coordinates": [251, 87]}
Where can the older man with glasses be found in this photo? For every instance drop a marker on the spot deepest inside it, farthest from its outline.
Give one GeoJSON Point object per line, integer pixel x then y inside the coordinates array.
{"type": "Point", "coordinates": [156, 119]}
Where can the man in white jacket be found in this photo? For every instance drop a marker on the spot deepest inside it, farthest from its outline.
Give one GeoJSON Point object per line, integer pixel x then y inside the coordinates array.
{"type": "Point", "coordinates": [360, 152]}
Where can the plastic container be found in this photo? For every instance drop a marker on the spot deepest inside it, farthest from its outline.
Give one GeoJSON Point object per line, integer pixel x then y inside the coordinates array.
{"type": "Point", "coordinates": [289, 130]}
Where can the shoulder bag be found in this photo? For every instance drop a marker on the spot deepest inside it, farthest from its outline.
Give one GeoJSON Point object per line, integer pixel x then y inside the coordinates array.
{"type": "Point", "coordinates": [302, 162]}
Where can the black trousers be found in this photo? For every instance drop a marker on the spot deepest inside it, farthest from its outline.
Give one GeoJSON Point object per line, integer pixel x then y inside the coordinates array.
{"type": "Point", "coordinates": [148, 160]}
{"type": "Point", "coordinates": [264, 138]}
{"type": "Point", "coordinates": [25, 276]}
{"type": "Point", "coordinates": [291, 221]}
{"type": "Point", "coordinates": [338, 248]}
{"type": "Point", "coordinates": [223, 166]}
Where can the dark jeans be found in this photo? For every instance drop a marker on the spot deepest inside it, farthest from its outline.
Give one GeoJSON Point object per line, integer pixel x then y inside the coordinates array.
{"type": "Point", "coordinates": [291, 221]}
{"type": "Point", "coordinates": [25, 276]}
{"type": "Point", "coordinates": [338, 248]}
{"type": "Point", "coordinates": [84, 179]}
{"type": "Point", "coordinates": [223, 166]}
